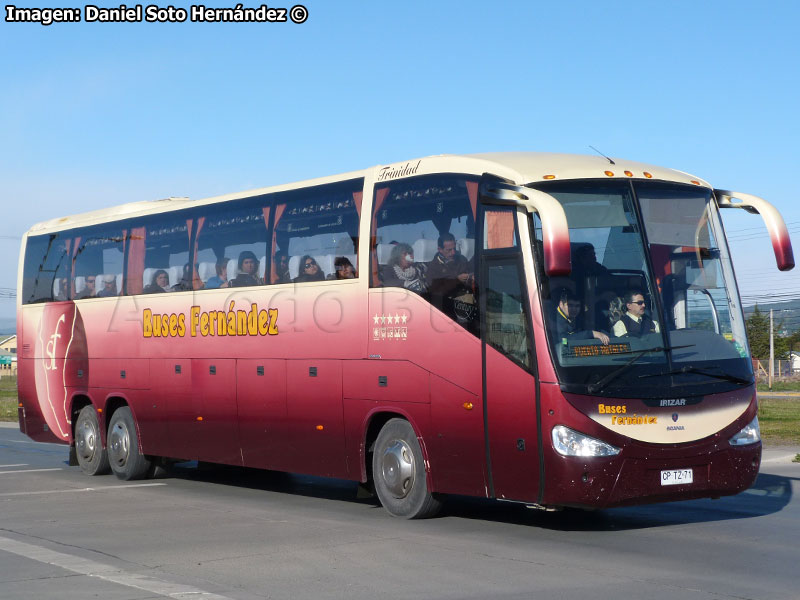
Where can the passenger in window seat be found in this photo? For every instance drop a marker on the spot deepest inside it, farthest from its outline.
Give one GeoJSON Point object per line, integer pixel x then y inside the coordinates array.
{"type": "Point", "coordinates": [63, 292]}
{"type": "Point", "coordinates": [309, 270]}
{"type": "Point", "coordinates": [344, 269]}
{"type": "Point", "coordinates": [282, 267]}
{"type": "Point", "coordinates": [248, 270]}
{"type": "Point", "coordinates": [220, 280]}
{"type": "Point", "coordinates": [159, 285]}
{"type": "Point", "coordinates": [109, 287]}
{"type": "Point", "coordinates": [402, 271]}
{"type": "Point", "coordinates": [451, 281]}
{"type": "Point", "coordinates": [89, 290]}
{"type": "Point", "coordinates": [185, 284]}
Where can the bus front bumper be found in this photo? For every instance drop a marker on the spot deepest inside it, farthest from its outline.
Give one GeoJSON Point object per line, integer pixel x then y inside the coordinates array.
{"type": "Point", "coordinates": [628, 479]}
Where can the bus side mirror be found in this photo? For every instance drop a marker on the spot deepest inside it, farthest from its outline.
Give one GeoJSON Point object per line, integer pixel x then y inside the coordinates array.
{"type": "Point", "coordinates": [555, 232]}
{"type": "Point", "coordinates": [781, 244]}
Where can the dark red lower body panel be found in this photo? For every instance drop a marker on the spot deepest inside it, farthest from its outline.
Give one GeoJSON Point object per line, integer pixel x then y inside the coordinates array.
{"type": "Point", "coordinates": [619, 481]}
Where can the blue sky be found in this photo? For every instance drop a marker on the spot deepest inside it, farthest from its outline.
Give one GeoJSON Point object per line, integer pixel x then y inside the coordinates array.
{"type": "Point", "coordinates": [97, 114]}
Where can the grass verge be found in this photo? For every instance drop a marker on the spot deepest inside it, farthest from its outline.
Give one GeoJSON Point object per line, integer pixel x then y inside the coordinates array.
{"type": "Point", "coordinates": [8, 409]}
{"type": "Point", "coordinates": [779, 386]}
{"type": "Point", "coordinates": [779, 419]}
{"type": "Point", "coordinates": [8, 398]}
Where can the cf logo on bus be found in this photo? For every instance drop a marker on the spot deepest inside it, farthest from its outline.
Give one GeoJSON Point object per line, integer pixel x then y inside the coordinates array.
{"type": "Point", "coordinates": [51, 346]}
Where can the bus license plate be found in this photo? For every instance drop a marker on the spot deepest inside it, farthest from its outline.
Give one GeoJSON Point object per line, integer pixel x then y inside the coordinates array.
{"type": "Point", "coordinates": [676, 477]}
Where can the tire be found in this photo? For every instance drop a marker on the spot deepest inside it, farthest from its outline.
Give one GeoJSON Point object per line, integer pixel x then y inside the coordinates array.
{"type": "Point", "coordinates": [92, 457]}
{"type": "Point", "coordinates": [123, 447]}
{"type": "Point", "coordinates": [398, 472]}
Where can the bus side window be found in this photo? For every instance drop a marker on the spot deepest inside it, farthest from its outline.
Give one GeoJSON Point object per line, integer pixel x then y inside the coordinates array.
{"type": "Point", "coordinates": [423, 240]}
{"type": "Point", "coordinates": [98, 259]}
{"type": "Point", "coordinates": [158, 258]}
{"type": "Point", "coordinates": [231, 245]}
{"type": "Point", "coordinates": [316, 233]}
{"type": "Point", "coordinates": [47, 260]}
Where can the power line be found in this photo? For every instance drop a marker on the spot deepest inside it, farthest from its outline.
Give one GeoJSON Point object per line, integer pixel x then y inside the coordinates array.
{"type": "Point", "coordinates": [759, 227]}
{"type": "Point", "coordinates": [754, 236]}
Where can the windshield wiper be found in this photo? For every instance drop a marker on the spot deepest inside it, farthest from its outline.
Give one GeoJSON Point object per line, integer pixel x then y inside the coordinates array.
{"type": "Point", "coordinates": [699, 371]}
{"type": "Point", "coordinates": [598, 386]}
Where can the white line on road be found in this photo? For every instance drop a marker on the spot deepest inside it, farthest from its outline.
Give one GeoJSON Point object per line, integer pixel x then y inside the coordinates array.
{"type": "Point", "coordinates": [28, 471]}
{"type": "Point", "coordinates": [37, 443]}
{"type": "Point", "coordinates": [783, 458]}
{"type": "Point", "coordinates": [87, 489]}
{"type": "Point", "coordinates": [19, 465]}
{"type": "Point", "coordinates": [107, 572]}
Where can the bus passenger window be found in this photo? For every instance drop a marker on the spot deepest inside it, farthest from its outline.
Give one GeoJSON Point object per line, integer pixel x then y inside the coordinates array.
{"type": "Point", "coordinates": [161, 251]}
{"type": "Point", "coordinates": [47, 258]}
{"type": "Point", "coordinates": [424, 241]}
{"type": "Point", "coordinates": [231, 245]}
{"type": "Point", "coordinates": [98, 262]}
{"type": "Point", "coordinates": [316, 233]}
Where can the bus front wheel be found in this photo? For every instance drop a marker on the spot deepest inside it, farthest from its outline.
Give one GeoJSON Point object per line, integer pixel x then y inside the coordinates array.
{"type": "Point", "coordinates": [398, 472]}
{"type": "Point", "coordinates": [92, 457]}
{"type": "Point", "coordinates": [123, 447]}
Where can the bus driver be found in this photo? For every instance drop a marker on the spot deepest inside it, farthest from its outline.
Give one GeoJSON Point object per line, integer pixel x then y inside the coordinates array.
{"type": "Point", "coordinates": [635, 323]}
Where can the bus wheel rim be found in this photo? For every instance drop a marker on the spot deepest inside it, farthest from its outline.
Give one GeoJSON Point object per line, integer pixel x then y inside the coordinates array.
{"type": "Point", "coordinates": [397, 469]}
{"type": "Point", "coordinates": [87, 440]}
{"type": "Point", "coordinates": [120, 443]}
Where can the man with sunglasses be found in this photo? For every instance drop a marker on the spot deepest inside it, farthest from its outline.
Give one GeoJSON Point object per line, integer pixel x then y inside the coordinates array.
{"type": "Point", "coordinates": [90, 289]}
{"type": "Point", "coordinates": [635, 322]}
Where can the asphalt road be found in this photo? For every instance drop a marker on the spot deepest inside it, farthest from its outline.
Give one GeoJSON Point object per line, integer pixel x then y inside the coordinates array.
{"type": "Point", "coordinates": [234, 534]}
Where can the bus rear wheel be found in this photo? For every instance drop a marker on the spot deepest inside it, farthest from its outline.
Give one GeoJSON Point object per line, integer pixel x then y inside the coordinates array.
{"type": "Point", "coordinates": [398, 472]}
{"type": "Point", "coordinates": [123, 447]}
{"type": "Point", "coordinates": [92, 457]}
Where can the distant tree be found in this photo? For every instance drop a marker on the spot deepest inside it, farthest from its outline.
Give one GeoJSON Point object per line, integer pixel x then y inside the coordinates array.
{"type": "Point", "coordinates": [758, 334]}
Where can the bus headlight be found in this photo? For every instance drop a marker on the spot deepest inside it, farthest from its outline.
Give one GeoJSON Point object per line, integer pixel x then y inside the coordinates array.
{"type": "Point", "coordinates": [571, 443]}
{"type": "Point", "coordinates": [749, 435]}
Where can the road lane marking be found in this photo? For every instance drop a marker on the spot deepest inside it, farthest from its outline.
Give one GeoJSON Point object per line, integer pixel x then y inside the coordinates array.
{"type": "Point", "coordinates": [19, 465]}
{"type": "Point", "coordinates": [37, 443]}
{"type": "Point", "coordinates": [28, 471]}
{"type": "Point", "coordinates": [784, 458]}
{"type": "Point", "coordinates": [106, 572]}
{"type": "Point", "coordinates": [86, 489]}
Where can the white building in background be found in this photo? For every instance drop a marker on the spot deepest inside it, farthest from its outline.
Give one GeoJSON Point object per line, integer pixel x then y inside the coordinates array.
{"type": "Point", "coordinates": [8, 356]}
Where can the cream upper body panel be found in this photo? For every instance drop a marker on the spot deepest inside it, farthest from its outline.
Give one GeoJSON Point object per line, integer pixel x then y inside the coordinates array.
{"type": "Point", "coordinates": [520, 167]}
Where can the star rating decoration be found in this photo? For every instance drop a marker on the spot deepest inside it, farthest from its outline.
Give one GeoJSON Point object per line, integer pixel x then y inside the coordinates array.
{"type": "Point", "coordinates": [390, 333]}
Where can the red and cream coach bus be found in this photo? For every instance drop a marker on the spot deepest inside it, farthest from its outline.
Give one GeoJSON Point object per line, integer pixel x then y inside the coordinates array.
{"type": "Point", "coordinates": [550, 329]}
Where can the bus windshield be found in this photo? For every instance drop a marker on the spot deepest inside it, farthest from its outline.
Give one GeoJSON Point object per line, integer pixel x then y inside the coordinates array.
{"type": "Point", "coordinates": [651, 307]}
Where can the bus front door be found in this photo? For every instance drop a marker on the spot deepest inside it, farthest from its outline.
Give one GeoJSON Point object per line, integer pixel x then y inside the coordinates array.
{"type": "Point", "coordinates": [509, 384]}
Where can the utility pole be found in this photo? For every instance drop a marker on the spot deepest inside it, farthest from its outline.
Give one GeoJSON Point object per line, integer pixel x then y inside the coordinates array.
{"type": "Point", "coordinates": [771, 352]}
